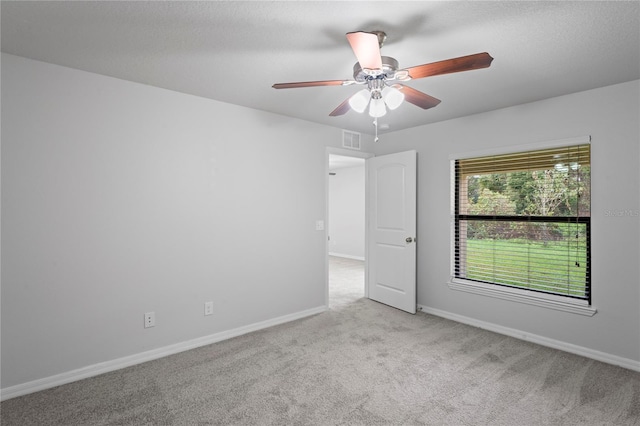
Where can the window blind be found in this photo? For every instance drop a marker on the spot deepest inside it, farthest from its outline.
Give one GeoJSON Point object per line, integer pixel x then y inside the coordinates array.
{"type": "Point", "coordinates": [523, 220]}
{"type": "Point", "coordinates": [528, 160]}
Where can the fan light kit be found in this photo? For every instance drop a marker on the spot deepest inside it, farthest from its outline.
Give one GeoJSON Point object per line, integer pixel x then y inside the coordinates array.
{"type": "Point", "coordinates": [382, 77]}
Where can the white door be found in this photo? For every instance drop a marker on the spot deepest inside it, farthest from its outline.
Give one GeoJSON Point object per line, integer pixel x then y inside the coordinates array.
{"type": "Point", "coordinates": [391, 261]}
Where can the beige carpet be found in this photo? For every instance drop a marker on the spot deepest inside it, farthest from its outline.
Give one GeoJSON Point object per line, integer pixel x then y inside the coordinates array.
{"type": "Point", "coordinates": [360, 363]}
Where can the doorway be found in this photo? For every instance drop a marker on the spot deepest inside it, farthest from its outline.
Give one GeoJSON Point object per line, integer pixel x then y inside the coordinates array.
{"type": "Point", "coordinates": [346, 228]}
{"type": "Point", "coordinates": [390, 201]}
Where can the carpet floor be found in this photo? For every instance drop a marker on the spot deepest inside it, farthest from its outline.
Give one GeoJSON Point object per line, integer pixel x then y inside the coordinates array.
{"type": "Point", "coordinates": [359, 363]}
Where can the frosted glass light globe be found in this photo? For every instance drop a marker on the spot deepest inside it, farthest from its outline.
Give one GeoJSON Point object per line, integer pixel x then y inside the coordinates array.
{"type": "Point", "coordinates": [360, 100]}
{"type": "Point", "coordinates": [392, 97]}
{"type": "Point", "coordinates": [377, 108]}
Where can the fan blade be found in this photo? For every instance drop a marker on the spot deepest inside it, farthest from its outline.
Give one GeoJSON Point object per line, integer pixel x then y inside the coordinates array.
{"type": "Point", "coordinates": [309, 84]}
{"type": "Point", "coordinates": [367, 49]}
{"type": "Point", "coordinates": [448, 66]}
{"type": "Point", "coordinates": [342, 109]}
{"type": "Point", "coordinates": [417, 98]}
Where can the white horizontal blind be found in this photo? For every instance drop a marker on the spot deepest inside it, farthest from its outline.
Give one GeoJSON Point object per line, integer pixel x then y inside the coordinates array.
{"type": "Point", "coordinates": [523, 220]}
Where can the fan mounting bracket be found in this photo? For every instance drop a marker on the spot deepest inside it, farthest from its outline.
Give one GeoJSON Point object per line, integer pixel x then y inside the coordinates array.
{"type": "Point", "coordinates": [382, 36]}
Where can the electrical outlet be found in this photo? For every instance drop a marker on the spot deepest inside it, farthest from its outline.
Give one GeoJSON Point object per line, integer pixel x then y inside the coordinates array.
{"type": "Point", "coordinates": [208, 308]}
{"type": "Point", "coordinates": [149, 319]}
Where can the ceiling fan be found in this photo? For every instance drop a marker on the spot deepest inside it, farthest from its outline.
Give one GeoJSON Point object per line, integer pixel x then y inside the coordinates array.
{"type": "Point", "coordinates": [383, 78]}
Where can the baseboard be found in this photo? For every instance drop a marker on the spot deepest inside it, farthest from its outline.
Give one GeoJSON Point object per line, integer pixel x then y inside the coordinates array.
{"type": "Point", "coordinates": [347, 256]}
{"type": "Point", "coordinates": [116, 364]}
{"type": "Point", "coordinates": [541, 340]}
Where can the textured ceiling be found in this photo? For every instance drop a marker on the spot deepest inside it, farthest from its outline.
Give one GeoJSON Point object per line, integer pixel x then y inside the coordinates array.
{"type": "Point", "coordinates": [234, 51]}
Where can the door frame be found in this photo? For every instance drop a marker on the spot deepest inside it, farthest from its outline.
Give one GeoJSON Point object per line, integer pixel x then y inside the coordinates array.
{"type": "Point", "coordinates": [344, 153]}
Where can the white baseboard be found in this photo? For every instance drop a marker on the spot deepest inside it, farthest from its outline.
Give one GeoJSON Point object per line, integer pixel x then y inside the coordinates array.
{"type": "Point", "coordinates": [346, 256]}
{"type": "Point", "coordinates": [544, 341]}
{"type": "Point", "coordinates": [116, 364]}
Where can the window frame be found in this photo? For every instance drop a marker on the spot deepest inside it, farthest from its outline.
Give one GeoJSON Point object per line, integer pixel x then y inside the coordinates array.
{"type": "Point", "coordinates": [505, 292]}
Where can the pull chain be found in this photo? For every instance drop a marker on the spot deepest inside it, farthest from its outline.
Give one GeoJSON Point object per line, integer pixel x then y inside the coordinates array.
{"type": "Point", "coordinates": [375, 124]}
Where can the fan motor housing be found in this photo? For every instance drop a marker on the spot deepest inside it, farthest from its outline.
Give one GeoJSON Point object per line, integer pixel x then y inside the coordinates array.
{"type": "Point", "coordinates": [389, 67]}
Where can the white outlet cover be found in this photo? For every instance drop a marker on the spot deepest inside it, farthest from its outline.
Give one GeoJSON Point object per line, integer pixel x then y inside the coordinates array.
{"type": "Point", "coordinates": [319, 225]}
{"type": "Point", "coordinates": [149, 319]}
{"type": "Point", "coordinates": [208, 308]}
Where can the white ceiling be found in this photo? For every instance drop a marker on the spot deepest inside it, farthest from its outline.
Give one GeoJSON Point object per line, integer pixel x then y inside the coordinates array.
{"type": "Point", "coordinates": [234, 51]}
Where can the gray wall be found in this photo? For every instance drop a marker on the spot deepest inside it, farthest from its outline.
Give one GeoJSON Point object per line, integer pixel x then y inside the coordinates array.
{"type": "Point", "coordinates": [347, 212]}
{"type": "Point", "coordinates": [120, 198]}
{"type": "Point", "coordinates": [610, 116]}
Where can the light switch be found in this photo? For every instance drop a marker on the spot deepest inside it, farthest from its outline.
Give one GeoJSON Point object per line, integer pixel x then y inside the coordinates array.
{"type": "Point", "coordinates": [319, 225]}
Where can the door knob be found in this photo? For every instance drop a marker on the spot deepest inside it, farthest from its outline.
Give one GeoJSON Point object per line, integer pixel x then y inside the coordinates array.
{"type": "Point", "coordinates": [409, 240]}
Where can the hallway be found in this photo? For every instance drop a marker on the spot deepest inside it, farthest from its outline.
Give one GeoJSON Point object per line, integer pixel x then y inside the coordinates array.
{"type": "Point", "coordinates": [346, 281]}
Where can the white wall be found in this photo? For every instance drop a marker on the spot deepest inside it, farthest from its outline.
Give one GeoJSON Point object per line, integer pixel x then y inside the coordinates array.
{"type": "Point", "coordinates": [120, 198]}
{"type": "Point", "coordinates": [610, 116]}
{"type": "Point", "coordinates": [347, 212]}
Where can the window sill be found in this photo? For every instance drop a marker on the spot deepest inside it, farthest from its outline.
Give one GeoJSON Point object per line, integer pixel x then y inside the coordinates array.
{"type": "Point", "coordinates": [549, 301]}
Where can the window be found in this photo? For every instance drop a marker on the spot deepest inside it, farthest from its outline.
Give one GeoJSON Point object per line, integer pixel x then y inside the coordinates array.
{"type": "Point", "coordinates": [522, 222]}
